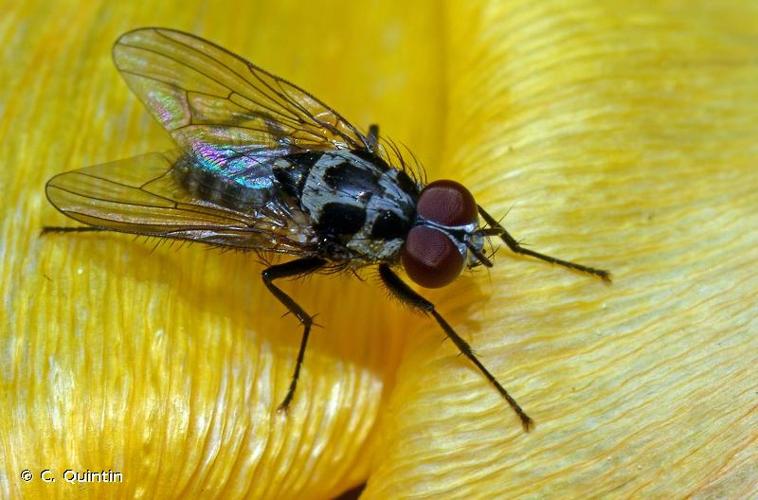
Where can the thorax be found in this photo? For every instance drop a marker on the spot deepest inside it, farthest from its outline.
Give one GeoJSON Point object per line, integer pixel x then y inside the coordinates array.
{"type": "Point", "coordinates": [359, 207]}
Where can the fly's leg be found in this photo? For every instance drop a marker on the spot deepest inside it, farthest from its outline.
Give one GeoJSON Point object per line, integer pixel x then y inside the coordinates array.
{"type": "Point", "coordinates": [515, 247]}
{"type": "Point", "coordinates": [373, 137]}
{"type": "Point", "coordinates": [292, 269]}
{"type": "Point", "coordinates": [75, 229]}
{"type": "Point", "coordinates": [406, 295]}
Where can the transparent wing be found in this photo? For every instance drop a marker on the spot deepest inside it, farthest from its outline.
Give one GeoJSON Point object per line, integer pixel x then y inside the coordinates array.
{"type": "Point", "coordinates": [140, 195]}
{"type": "Point", "coordinates": [205, 95]}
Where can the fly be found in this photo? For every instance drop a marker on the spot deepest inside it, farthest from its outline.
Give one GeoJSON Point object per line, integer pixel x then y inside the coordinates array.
{"type": "Point", "coordinates": [261, 165]}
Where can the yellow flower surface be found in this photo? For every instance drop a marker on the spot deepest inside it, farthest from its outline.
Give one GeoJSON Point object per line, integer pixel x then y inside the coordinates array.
{"type": "Point", "coordinates": [622, 135]}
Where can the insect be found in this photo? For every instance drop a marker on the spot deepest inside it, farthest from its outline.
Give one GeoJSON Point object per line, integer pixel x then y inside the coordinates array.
{"type": "Point", "coordinates": [262, 165]}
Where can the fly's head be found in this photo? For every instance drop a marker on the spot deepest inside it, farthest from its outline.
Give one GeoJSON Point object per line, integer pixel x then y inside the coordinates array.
{"type": "Point", "coordinates": [445, 237]}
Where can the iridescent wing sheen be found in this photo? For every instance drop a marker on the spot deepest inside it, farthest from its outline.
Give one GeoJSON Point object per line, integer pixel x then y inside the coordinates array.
{"type": "Point", "coordinates": [140, 195]}
{"type": "Point", "coordinates": [206, 96]}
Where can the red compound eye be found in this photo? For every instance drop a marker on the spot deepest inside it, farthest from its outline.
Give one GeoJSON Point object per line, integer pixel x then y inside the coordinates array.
{"type": "Point", "coordinates": [448, 203]}
{"type": "Point", "coordinates": [430, 258]}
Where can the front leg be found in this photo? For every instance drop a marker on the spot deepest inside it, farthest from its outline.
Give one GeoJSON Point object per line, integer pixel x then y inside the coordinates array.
{"type": "Point", "coordinates": [517, 248]}
{"type": "Point", "coordinates": [406, 295]}
{"type": "Point", "coordinates": [300, 267]}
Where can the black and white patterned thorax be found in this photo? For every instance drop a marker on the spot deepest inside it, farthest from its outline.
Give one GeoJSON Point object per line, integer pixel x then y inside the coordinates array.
{"type": "Point", "coordinates": [360, 208]}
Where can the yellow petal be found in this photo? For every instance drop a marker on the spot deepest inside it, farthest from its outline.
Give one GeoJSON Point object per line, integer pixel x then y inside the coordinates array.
{"type": "Point", "coordinates": [624, 137]}
{"type": "Point", "coordinates": [167, 365]}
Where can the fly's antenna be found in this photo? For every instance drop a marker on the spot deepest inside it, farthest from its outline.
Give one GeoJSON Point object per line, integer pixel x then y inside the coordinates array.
{"type": "Point", "coordinates": [480, 256]}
